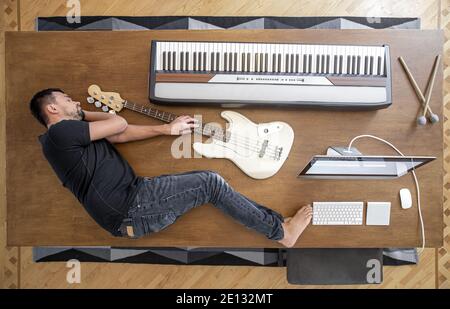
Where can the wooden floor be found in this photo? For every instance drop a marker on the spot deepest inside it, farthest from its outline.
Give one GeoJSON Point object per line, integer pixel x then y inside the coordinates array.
{"type": "Point", "coordinates": [17, 268]}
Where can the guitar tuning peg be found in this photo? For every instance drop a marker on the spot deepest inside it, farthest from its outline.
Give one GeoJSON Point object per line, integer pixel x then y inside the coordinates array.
{"type": "Point", "coordinates": [90, 100]}
{"type": "Point", "coordinates": [98, 104]}
{"type": "Point", "coordinates": [112, 111]}
{"type": "Point", "coordinates": [105, 108]}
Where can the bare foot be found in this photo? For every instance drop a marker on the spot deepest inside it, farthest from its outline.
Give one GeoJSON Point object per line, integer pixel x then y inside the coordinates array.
{"type": "Point", "coordinates": [294, 226]}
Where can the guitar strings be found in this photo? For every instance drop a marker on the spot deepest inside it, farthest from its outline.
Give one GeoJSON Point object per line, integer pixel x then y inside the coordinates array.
{"type": "Point", "coordinates": [244, 142]}
{"type": "Point", "coordinates": [215, 129]}
{"type": "Point", "coordinates": [219, 136]}
{"type": "Point", "coordinates": [214, 134]}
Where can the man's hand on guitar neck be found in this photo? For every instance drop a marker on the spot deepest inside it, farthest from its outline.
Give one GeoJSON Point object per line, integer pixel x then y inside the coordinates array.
{"type": "Point", "coordinates": [182, 125]}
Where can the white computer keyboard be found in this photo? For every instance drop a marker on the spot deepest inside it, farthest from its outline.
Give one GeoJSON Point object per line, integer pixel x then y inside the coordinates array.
{"type": "Point", "coordinates": [338, 213]}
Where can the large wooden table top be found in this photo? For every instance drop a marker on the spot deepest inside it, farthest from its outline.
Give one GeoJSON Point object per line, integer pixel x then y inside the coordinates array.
{"type": "Point", "coordinates": [40, 211]}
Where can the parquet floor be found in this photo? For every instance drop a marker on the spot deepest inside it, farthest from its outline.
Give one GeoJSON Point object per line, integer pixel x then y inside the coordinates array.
{"type": "Point", "coordinates": [17, 268]}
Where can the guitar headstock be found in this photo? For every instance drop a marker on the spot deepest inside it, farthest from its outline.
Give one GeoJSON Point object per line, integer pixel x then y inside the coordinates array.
{"type": "Point", "coordinates": [108, 99]}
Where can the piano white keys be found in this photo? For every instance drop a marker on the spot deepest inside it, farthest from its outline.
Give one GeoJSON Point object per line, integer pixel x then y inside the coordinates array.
{"type": "Point", "coordinates": [163, 56]}
{"type": "Point", "coordinates": [187, 57]}
{"type": "Point", "coordinates": [358, 60]}
{"type": "Point", "coordinates": [264, 58]}
{"type": "Point", "coordinates": [245, 64]}
{"type": "Point", "coordinates": [312, 59]}
{"type": "Point", "coordinates": [219, 56]}
{"type": "Point", "coordinates": [274, 59]}
{"type": "Point", "coordinates": [158, 56]}
{"type": "Point", "coordinates": [253, 58]}
{"type": "Point", "coordinates": [286, 58]}
{"type": "Point", "coordinates": [372, 64]}
{"type": "Point", "coordinates": [240, 60]}
{"type": "Point", "coordinates": [169, 56]}
{"type": "Point", "coordinates": [231, 58]}
{"type": "Point", "coordinates": [199, 58]}
{"type": "Point", "coordinates": [256, 59]}
{"type": "Point", "coordinates": [375, 61]}
{"type": "Point", "coordinates": [326, 59]}
{"type": "Point", "coordinates": [177, 49]}
{"type": "Point", "coordinates": [208, 57]}
{"type": "Point", "coordinates": [224, 56]}
{"type": "Point", "coordinates": [294, 57]}
{"type": "Point", "coordinates": [331, 51]}
{"type": "Point", "coordinates": [174, 56]}
{"type": "Point", "coordinates": [270, 58]}
{"type": "Point", "coordinates": [194, 57]}
{"type": "Point", "coordinates": [380, 61]}
{"type": "Point", "coordinates": [323, 59]}
{"type": "Point", "coordinates": [238, 56]}
{"type": "Point", "coordinates": [181, 56]}
{"type": "Point", "coordinates": [338, 60]}
{"type": "Point", "coordinates": [350, 61]}
{"type": "Point", "coordinates": [280, 59]}
{"type": "Point", "coordinates": [306, 60]}
{"type": "Point", "coordinates": [203, 57]}
{"type": "Point", "coordinates": [346, 62]}
{"type": "Point", "coordinates": [383, 52]}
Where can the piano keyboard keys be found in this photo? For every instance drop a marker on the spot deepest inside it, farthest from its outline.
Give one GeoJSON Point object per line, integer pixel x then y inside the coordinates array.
{"type": "Point", "coordinates": [371, 65]}
{"type": "Point", "coordinates": [270, 58]}
{"type": "Point", "coordinates": [379, 66]}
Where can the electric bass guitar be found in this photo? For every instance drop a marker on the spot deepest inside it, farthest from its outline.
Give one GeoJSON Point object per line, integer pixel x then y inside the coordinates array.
{"type": "Point", "coordinates": [259, 150]}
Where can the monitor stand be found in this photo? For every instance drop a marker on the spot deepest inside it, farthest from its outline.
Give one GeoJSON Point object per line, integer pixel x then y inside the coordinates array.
{"type": "Point", "coordinates": [343, 151]}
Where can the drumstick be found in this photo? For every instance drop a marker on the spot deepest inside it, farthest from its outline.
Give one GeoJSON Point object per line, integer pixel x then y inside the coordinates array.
{"type": "Point", "coordinates": [433, 117]}
{"type": "Point", "coordinates": [430, 88]}
{"type": "Point", "coordinates": [412, 81]}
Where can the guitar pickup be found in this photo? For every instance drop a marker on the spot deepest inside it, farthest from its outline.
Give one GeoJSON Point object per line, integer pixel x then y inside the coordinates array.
{"type": "Point", "coordinates": [262, 152]}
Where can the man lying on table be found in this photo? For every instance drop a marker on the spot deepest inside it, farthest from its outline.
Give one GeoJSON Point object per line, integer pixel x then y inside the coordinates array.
{"type": "Point", "coordinates": [78, 146]}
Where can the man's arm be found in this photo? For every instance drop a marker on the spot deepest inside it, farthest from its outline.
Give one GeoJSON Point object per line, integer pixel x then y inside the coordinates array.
{"type": "Point", "coordinates": [181, 125]}
{"type": "Point", "coordinates": [102, 125]}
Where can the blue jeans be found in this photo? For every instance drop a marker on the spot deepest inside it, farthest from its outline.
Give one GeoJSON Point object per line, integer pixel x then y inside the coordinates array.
{"type": "Point", "coordinates": [161, 200]}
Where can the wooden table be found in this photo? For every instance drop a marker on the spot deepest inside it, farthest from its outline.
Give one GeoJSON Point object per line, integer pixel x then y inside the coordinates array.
{"type": "Point", "coordinates": [42, 212]}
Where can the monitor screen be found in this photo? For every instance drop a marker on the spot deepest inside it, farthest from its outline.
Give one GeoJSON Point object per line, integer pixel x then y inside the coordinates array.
{"type": "Point", "coordinates": [362, 166]}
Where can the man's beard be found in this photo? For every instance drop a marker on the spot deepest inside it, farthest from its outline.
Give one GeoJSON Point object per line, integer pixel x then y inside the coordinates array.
{"type": "Point", "coordinates": [78, 115]}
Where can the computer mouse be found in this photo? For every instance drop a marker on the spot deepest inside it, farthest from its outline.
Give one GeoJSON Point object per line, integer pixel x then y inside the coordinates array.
{"type": "Point", "coordinates": [405, 198]}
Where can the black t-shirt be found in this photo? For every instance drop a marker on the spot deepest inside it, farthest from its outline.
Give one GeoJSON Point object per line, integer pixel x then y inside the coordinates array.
{"type": "Point", "coordinates": [103, 181]}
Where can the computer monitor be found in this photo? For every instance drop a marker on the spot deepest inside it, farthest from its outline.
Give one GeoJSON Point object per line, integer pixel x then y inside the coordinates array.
{"type": "Point", "coordinates": [361, 167]}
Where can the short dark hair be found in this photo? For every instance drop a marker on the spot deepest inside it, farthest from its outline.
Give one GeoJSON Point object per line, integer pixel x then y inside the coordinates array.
{"type": "Point", "coordinates": [39, 101]}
